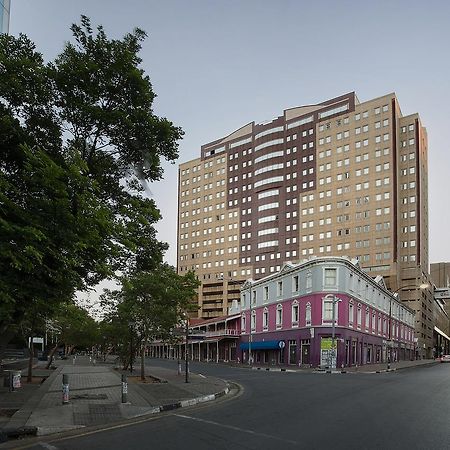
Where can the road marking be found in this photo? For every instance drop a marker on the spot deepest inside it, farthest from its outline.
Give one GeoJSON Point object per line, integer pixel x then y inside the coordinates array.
{"type": "Point", "coordinates": [231, 427]}
{"type": "Point", "coordinates": [200, 375]}
{"type": "Point", "coordinates": [48, 446]}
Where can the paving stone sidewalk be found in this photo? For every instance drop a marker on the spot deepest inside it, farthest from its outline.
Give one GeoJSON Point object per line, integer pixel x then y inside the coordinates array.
{"type": "Point", "coordinates": [96, 395]}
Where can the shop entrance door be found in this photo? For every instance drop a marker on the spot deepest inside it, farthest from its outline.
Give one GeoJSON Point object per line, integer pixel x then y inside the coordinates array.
{"type": "Point", "coordinates": [306, 354]}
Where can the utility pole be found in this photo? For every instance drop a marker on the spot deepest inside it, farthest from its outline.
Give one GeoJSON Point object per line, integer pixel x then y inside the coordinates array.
{"type": "Point", "coordinates": [333, 334]}
{"type": "Point", "coordinates": [131, 346]}
{"type": "Point", "coordinates": [186, 352]}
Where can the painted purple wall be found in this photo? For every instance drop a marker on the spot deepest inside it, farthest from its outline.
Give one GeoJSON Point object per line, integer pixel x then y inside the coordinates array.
{"type": "Point", "coordinates": [317, 320]}
{"type": "Point", "coordinates": [361, 340]}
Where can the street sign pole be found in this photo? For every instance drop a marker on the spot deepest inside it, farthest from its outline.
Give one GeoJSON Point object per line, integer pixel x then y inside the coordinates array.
{"type": "Point", "coordinates": [186, 359]}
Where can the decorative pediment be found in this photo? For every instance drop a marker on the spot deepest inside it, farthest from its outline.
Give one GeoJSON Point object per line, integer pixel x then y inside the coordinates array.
{"type": "Point", "coordinates": [286, 267]}
{"type": "Point", "coordinates": [380, 281]}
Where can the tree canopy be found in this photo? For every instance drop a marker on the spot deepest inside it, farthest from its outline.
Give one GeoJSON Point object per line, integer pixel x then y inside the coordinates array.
{"type": "Point", "coordinates": [148, 305]}
{"type": "Point", "coordinates": [78, 140]}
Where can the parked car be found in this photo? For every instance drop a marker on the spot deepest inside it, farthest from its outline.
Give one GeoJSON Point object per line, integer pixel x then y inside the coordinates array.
{"type": "Point", "coordinates": [445, 358]}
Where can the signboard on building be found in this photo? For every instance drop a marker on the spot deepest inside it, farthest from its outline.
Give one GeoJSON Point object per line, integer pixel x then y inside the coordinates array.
{"type": "Point", "coordinates": [326, 343]}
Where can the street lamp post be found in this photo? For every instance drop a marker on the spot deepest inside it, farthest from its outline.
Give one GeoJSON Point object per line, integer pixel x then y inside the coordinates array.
{"type": "Point", "coordinates": [389, 354]}
{"type": "Point", "coordinates": [333, 333]}
{"type": "Point", "coordinates": [186, 352]}
{"type": "Point", "coordinates": [333, 336]}
{"type": "Point", "coordinates": [250, 338]}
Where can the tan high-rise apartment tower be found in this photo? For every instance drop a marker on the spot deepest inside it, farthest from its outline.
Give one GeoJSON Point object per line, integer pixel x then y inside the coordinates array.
{"type": "Point", "coordinates": [336, 178]}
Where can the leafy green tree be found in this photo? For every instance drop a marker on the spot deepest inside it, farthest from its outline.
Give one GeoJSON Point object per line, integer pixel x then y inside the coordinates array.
{"type": "Point", "coordinates": [150, 305]}
{"type": "Point", "coordinates": [77, 329]}
{"type": "Point", "coordinates": [41, 240]}
{"type": "Point", "coordinates": [79, 140]}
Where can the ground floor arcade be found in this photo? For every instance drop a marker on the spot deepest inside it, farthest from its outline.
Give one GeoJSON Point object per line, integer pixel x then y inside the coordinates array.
{"type": "Point", "coordinates": [223, 349]}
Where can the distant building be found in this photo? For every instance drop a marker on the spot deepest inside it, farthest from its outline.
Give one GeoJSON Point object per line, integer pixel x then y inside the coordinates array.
{"type": "Point", "coordinates": [287, 317]}
{"type": "Point", "coordinates": [209, 340]}
{"type": "Point", "coordinates": [441, 334]}
{"type": "Point", "coordinates": [4, 16]}
{"type": "Point", "coordinates": [440, 274]}
{"type": "Point", "coordinates": [336, 178]}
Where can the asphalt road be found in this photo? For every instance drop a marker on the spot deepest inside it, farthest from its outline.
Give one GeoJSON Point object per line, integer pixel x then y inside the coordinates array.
{"type": "Point", "coordinates": [408, 409]}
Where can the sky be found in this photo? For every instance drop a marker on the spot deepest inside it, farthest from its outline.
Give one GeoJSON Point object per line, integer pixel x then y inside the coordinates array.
{"type": "Point", "coordinates": [217, 65]}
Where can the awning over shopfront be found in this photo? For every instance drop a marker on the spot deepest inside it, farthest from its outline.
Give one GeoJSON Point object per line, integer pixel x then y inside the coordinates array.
{"type": "Point", "coordinates": [262, 345]}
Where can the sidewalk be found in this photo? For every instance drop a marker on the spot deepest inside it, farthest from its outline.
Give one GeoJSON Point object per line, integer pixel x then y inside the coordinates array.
{"type": "Point", "coordinates": [379, 368]}
{"type": "Point", "coordinates": [367, 368]}
{"type": "Point", "coordinates": [95, 397]}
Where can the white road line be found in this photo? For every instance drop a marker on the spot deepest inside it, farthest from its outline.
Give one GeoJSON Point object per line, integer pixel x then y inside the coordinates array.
{"type": "Point", "coordinates": [200, 375]}
{"type": "Point", "coordinates": [48, 446]}
{"type": "Point", "coordinates": [231, 427]}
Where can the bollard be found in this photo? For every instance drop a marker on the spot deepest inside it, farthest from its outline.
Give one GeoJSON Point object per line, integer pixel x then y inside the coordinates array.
{"type": "Point", "coordinates": [124, 388]}
{"type": "Point", "coordinates": [65, 389]}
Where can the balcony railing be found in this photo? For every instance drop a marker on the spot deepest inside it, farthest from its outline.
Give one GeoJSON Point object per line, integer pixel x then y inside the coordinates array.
{"type": "Point", "coordinates": [218, 333]}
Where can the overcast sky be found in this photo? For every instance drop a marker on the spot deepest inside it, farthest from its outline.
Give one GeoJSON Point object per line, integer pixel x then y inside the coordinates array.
{"type": "Point", "coordinates": [217, 65]}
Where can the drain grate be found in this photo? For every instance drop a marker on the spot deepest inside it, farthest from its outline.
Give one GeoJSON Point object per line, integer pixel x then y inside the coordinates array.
{"type": "Point", "coordinates": [89, 397]}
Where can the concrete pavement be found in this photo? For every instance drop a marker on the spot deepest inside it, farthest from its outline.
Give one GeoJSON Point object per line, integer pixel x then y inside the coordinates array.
{"type": "Point", "coordinates": [95, 397]}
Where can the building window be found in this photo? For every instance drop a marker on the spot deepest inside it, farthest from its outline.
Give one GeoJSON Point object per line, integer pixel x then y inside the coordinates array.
{"type": "Point", "coordinates": [358, 317]}
{"type": "Point", "coordinates": [330, 277]}
{"type": "Point", "coordinates": [279, 320]}
{"type": "Point", "coordinates": [265, 318]}
{"type": "Point", "coordinates": [327, 308]}
{"type": "Point", "coordinates": [309, 280]}
{"type": "Point", "coordinates": [253, 320]}
{"type": "Point", "coordinates": [279, 288]}
{"type": "Point", "coordinates": [350, 314]}
{"type": "Point", "coordinates": [266, 294]}
{"type": "Point", "coordinates": [308, 314]}
{"type": "Point", "coordinates": [295, 313]}
{"type": "Point", "coordinates": [295, 283]}
{"type": "Point", "coordinates": [253, 298]}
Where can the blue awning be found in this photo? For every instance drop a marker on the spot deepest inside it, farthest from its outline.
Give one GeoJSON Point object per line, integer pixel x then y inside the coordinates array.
{"type": "Point", "coordinates": [263, 345]}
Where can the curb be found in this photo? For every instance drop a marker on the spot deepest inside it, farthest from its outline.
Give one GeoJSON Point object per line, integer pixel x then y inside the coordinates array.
{"type": "Point", "coordinates": [23, 414]}
{"type": "Point", "coordinates": [273, 369]}
{"type": "Point", "coordinates": [17, 433]}
{"type": "Point", "coordinates": [189, 402]}
{"type": "Point", "coordinates": [339, 371]}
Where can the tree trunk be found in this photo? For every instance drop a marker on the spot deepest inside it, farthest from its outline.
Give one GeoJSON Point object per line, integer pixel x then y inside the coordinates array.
{"type": "Point", "coordinates": [143, 362]}
{"type": "Point", "coordinates": [52, 353]}
{"type": "Point", "coordinates": [30, 361]}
